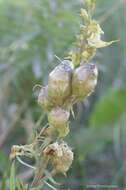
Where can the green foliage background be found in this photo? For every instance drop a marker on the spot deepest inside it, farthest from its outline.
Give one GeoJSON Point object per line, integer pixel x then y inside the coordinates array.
{"type": "Point", "coordinates": [31, 33]}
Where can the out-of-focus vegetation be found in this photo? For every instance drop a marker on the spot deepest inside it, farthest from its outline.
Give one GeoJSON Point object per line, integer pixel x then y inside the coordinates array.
{"type": "Point", "coordinates": [31, 33]}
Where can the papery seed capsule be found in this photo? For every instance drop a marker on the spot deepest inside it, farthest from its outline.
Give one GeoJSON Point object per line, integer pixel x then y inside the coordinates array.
{"type": "Point", "coordinates": [53, 150]}
{"type": "Point", "coordinates": [58, 118]}
{"type": "Point", "coordinates": [62, 162]}
{"type": "Point", "coordinates": [59, 85]}
{"type": "Point", "coordinates": [84, 80]}
{"type": "Point", "coordinates": [61, 156]}
{"type": "Point", "coordinates": [43, 99]}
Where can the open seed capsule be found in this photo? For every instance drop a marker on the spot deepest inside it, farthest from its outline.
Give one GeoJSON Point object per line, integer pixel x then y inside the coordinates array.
{"type": "Point", "coordinates": [59, 85]}
{"type": "Point", "coordinates": [63, 162]}
{"type": "Point", "coordinates": [61, 156]}
{"type": "Point", "coordinates": [43, 99]}
{"type": "Point", "coordinates": [84, 80]}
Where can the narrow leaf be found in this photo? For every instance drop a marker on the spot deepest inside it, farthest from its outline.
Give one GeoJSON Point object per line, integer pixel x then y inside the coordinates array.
{"type": "Point", "coordinates": [20, 185]}
{"type": "Point", "coordinates": [50, 178]}
{"type": "Point", "coordinates": [12, 177]}
{"type": "Point", "coordinates": [3, 184]}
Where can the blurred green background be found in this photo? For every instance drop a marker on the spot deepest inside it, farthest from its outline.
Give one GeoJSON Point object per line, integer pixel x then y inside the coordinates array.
{"type": "Point", "coordinates": [31, 33]}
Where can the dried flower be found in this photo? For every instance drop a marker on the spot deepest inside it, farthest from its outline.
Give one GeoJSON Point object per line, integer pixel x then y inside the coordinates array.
{"type": "Point", "coordinates": [90, 5]}
{"type": "Point", "coordinates": [85, 15]}
{"type": "Point", "coordinates": [89, 38]}
{"type": "Point", "coordinates": [21, 150]}
{"type": "Point", "coordinates": [94, 32]}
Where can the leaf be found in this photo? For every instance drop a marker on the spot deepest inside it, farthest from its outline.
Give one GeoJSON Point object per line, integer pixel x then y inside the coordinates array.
{"type": "Point", "coordinates": [3, 160]}
{"type": "Point", "coordinates": [37, 188]}
{"type": "Point", "coordinates": [12, 177]}
{"type": "Point", "coordinates": [85, 15]}
{"type": "Point", "coordinates": [50, 185]}
{"type": "Point", "coordinates": [100, 43]}
{"type": "Point", "coordinates": [49, 176]}
{"type": "Point", "coordinates": [109, 108]}
{"type": "Point", "coordinates": [20, 185]}
{"type": "Point", "coordinates": [3, 184]}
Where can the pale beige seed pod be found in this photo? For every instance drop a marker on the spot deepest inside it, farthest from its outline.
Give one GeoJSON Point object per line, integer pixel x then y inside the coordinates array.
{"type": "Point", "coordinates": [61, 156]}
{"type": "Point", "coordinates": [84, 81]}
{"type": "Point", "coordinates": [62, 163]}
{"type": "Point", "coordinates": [58, 118]}
{"type": "Point", "coordinates": [52, 150]}
{"type": "Point", "coordinates": [43, 99]}
{"type": "Point", "coordinates": [59, 84]}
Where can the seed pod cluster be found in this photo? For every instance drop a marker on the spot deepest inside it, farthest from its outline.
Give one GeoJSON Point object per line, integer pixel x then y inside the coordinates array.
{"type": "Point", "coordinates": [66, 82]}
{"type": "Point", "coordinates": [70, 82]}
{"type": "Point", "coordinates": [66, 86]}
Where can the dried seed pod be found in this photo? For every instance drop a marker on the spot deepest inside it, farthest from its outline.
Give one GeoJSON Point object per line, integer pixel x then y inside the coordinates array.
{"type": "Point", "coordinates": [58, 118]}
{"type": "Point", "coordinates": [52, 150]}
{"type": "Point", "coordinates": [63, 163]}
{"type": "Point", "coordinates": [43, 99]}
{"type": "Point", "coordinates": [59, 85]}
{"type": "Point", "coordinates": [61, 156]}
{"type": "Point", "coordinates": [84, 80]}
